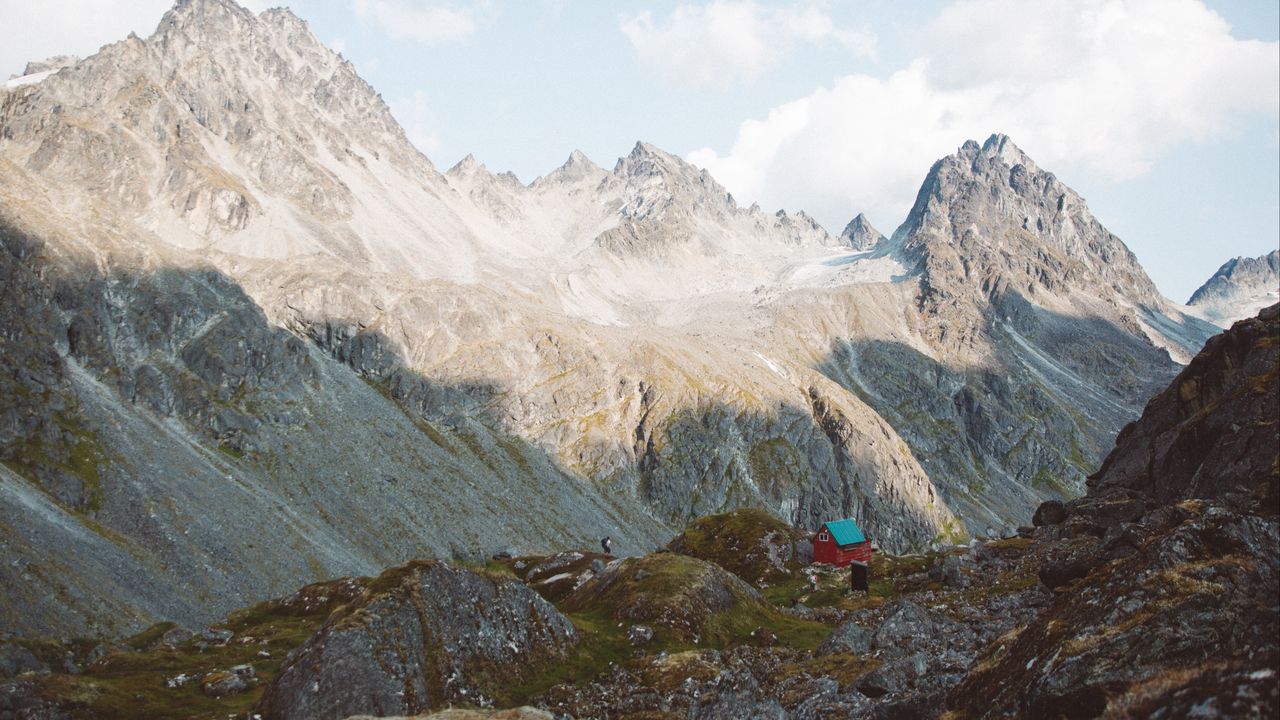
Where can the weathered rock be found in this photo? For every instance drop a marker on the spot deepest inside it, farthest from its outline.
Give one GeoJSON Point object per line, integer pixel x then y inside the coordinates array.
{"type": "Point", "coordinates": [749, 543]}
{"type": "Point", "coordinates": [1050, 512]}
{"type": "Point", "coordinates": [678, 594]}
{"type": "Point", "coordinates": [1070, 560]}
{"type": "Point", "coordinates": [176, 635]}
{"type": "Point", "coordinates": [639, 634]}
{"type": "Point", "coordinates": [15, 660]}
{"type": "Point", "coordinates": [1187, 618]}
{"type": "Point", "coordinates": [423, 635]}
{"type": "Point", "coordinates": [947, 570]}
{"type": "Point", "coordinates": [223, 682]}
{"type": "Point", "coordinates": [1212, 431]}
{"type": "Point", "coordinates": [848, 637]}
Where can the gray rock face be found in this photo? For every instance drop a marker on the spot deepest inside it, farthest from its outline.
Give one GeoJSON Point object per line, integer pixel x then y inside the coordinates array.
{"type": "Point", "coordinates": [848, 637]}
{"type": "Point", "coordinates": [1212, 431]}
{"type": "Point", "coordinates": [16, 660]}
{"type": "Point", "coordinates": [1187, 618]}
{"type": "Point", "coordinates": [1011, 402]}
{"type": "Point", "coordinates": [1239, 289]}
{"type": "Point", "coordinates": [423, 636]}
{"type": "Point", "coordinates": [859, 234]}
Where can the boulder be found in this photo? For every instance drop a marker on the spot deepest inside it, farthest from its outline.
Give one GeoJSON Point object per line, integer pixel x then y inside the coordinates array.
{"type": "Point", "coordinates": [1050, 512]}
{"type": "Point", "coordinates": [15, 660]}
{"type": "Point", "coordinates": [686, 597]}
{"type": "Point", "coordinates": [221, 683]}
{"type": "Point", "coordinates": [1069, 560]}
{"type": "Point", "coordinates": [422, 636]}
{"type": "Point", "coordinates": [639, 634]}
{"type": "Point", "coordinates": [749, 543]}
{"type": "Point", "coordinates": [848, 637]}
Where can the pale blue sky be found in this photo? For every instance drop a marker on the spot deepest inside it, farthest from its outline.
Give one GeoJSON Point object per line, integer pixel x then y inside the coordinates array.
{"type": "Point", "coordinates": [1163, 114]}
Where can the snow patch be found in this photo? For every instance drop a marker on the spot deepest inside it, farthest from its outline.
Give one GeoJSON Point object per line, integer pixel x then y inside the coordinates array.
{"type": "Point", "coordinates": [32, 79]}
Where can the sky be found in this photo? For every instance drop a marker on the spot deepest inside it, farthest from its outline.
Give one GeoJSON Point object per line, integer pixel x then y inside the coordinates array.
{"type": "Point", "coordinates": [1163, 114]}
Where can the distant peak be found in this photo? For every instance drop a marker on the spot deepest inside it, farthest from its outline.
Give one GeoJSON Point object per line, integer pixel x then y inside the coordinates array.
{"type": "Point", "coordinates": [466, 166]}
{"type": "Point", "coordinates": [648, 150]}
{"type": "Point", "coordinates": [576, 168]}
{"type": "Point", "coordinates": [859, 234]}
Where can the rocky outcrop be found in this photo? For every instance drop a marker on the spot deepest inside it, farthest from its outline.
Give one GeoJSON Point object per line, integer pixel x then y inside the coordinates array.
{"type": "Point", "coordinates": [1239, 289]}
{"type": "Point", "coordinates": [682, 597]}
{"type": "Point", "coordinates": [751, 544]}
{"type": "Point", "coordinates": [422, 636]}
{"type": "Point", "coordinates": [1213, 431]}
{"type": "Point", "coordinates": [1185, 617]}
{"type": "Point", "coordinates": [1166, 575]}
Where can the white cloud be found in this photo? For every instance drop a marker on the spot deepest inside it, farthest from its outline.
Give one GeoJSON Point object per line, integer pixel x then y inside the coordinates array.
{"type": "Point", "coordinates": [414, 114]}
{"type": "Point", "coordinates": [1105, 85]}
{"type": "Point", "coordinates": [38, 30]}
{"type": "Point", "coordinates": [727, 42]}
{"type": "Point", "coordinates": [430, 23]}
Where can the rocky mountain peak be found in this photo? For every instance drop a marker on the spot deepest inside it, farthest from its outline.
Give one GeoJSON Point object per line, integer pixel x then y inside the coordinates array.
{"type": "Point", "coordinates": [654, 180]}
{"type": "Point", "coordinates": [1002, 146]}
{"type": "Point", "coordinates": [799, 228]}
{"type": "Point", "coordinates": [1239, 288]}
{"type": "Point", "coordinates": [466, 166]}
{"type": "Point", "coordinates": [195, 19]}
{"type": "Point", "coordinates": [577, 168]}
{"type": "Point", "coordinates": [988, 220]}
{"type": "Point", "coordinates": [859, 234]}
{"type": "Point", "coordinates": [57, 62]}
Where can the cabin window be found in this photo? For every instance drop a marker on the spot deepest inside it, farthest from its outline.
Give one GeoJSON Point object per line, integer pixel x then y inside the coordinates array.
{"type": "Point", "coordinates": [823, 537]}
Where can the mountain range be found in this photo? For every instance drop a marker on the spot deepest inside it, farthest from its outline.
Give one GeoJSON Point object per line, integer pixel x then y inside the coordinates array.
{"type": "Point", "coordinates": [254, 338]}
{"type": "Point", "coordinates": [1239, 289]}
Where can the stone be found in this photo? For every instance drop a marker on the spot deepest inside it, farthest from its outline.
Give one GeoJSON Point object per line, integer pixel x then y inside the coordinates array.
{"type": "Point", "coordinates": [176, 635]}
{"type": "Point", "coordinates": [221, 683]}
{"type": "Point", "coordinates": [424, 635]}
{"type": "Point", "coordinates": [639, 634]}
{"type": "Point", "coordinates": [1050, 512]}
{"type": "Point", "coordinates": [16, 660]}
{"type": "Point", "coordinates": [217, 636]}
{"type": "Point", "coordinates": [848, 637]}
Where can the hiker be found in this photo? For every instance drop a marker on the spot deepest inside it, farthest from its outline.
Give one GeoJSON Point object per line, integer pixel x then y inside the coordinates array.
{"type": "Point", "coordinates": [607, 544]}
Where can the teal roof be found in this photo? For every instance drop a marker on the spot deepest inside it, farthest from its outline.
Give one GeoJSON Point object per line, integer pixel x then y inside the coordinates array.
{"type": "Point", "coordinates": [845, 532]}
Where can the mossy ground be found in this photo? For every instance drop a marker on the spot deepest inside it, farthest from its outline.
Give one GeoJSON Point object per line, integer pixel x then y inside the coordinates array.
{"type": "Point", "coordinates": [738, 541]}
{"type": "Point", "coordinates": [128, 685]}
{"type": "Point", "coordinates": [133, 684]}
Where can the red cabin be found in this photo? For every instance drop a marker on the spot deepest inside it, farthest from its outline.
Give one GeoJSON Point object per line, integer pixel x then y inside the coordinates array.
{"type": "Point", "coordinates": [840, 542]}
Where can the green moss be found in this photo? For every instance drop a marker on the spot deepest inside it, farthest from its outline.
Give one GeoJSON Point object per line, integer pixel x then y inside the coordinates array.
{"type": "Point", "coordinates": [151, 636]}
{"type": "Point", "coordinates": [776, 463]}
{"type": "Point", "coordinates": [132, 685]}
{"type": "Point", "coordinates": [738, 541]}
{"type": "Point", "coordinates": [78, 454]}
{"type": "Point", "coordinates": [951, 532]}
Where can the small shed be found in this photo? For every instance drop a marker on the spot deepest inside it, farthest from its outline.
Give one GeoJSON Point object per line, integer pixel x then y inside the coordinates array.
{"type": "Point", "coordinates": [840, 542]}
